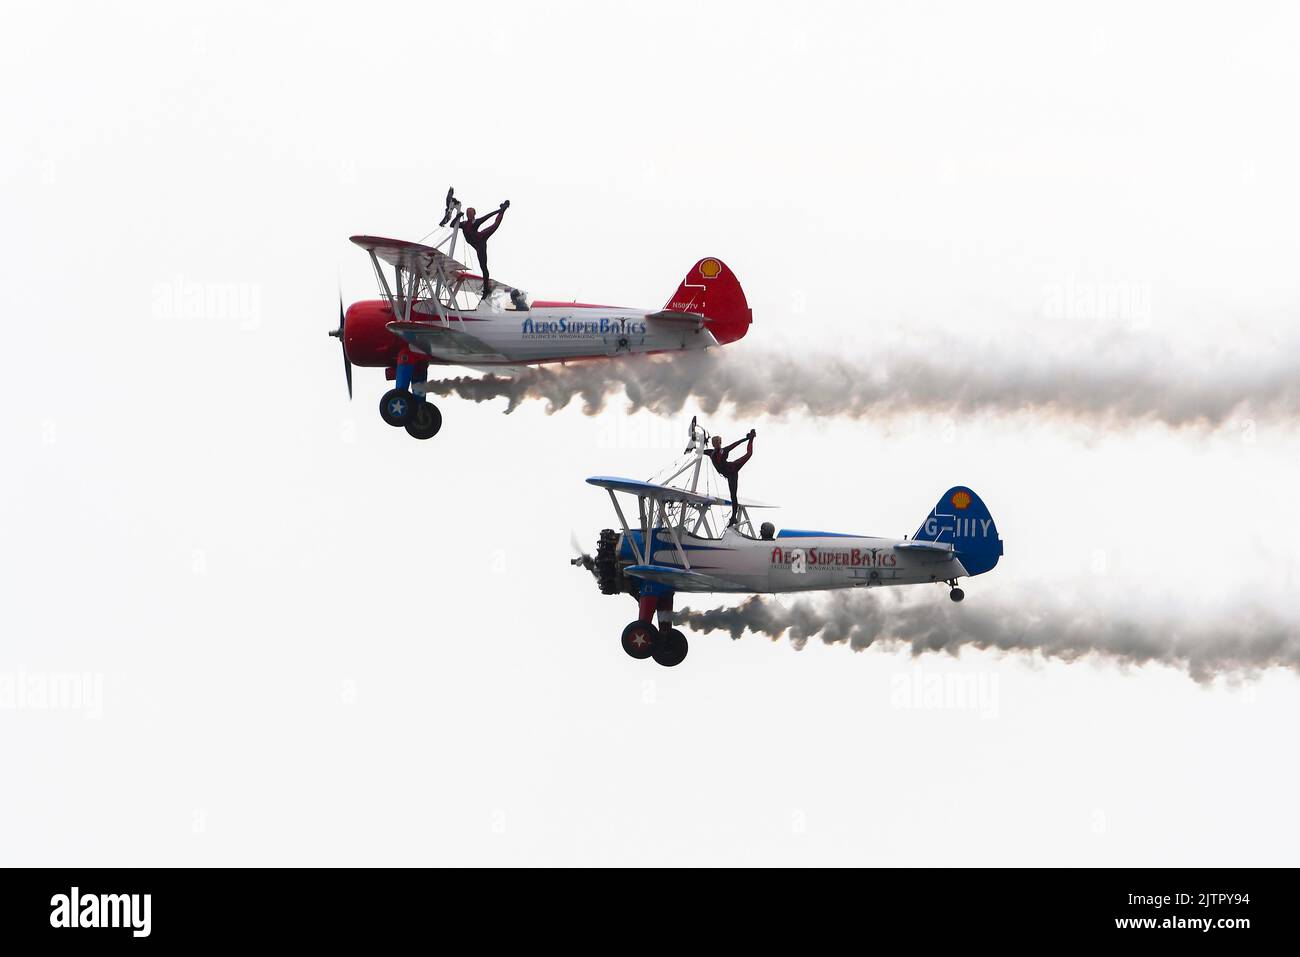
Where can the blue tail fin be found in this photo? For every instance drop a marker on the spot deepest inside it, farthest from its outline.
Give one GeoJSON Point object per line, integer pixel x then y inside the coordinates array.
{"type": "Point", "coordinates": [962, 519]}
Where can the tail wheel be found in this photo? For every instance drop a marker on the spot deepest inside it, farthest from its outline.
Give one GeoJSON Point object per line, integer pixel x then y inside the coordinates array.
{"type": "Point", "coordinates": [425, 421]}
{"type": "Point", "coordinates": [396, 407]}
{"type": "Point", "coordinates": [639, 639]}
{"type": "Point", "coordinates": [956, 594]}
{"type": "Point", "coordinates": [671, 649]}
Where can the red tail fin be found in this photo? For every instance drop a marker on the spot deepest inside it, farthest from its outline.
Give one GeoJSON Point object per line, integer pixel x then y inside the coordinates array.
{"type": "Point", "coordinates": [712, 290]}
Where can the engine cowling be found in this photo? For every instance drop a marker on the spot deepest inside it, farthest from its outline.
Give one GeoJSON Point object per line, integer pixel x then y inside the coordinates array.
{"type": "Point", "coordinates": [609, 571]}
{"type": "Point", "coordinates": [366, 337]}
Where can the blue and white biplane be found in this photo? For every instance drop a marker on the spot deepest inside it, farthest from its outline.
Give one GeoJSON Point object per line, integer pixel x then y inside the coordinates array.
{"type": "Point", "coordinates": [676, 542]}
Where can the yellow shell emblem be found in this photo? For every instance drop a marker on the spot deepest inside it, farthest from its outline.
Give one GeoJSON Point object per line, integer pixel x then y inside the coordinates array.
{"type": "Point", "coordinates": [961, 500]}
{"type": "Point", "coordinates": [710, 268]}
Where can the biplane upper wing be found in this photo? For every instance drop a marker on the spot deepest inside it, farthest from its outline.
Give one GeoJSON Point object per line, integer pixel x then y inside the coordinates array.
{"type": "Point", "coordinates": [445, 343]}
{"type": "Point", "coordinates": [682, 579]}
{"type": "Point", "coordinates": [422, 260]}
{"type": "Point", "coordinates": [659, 493]}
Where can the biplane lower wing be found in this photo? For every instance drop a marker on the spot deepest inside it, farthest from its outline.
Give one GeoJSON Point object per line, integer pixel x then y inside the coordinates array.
{"type": "Point", "coordinates": [445, 343]}
{"type": "Point", "coordinates": [682, 579]}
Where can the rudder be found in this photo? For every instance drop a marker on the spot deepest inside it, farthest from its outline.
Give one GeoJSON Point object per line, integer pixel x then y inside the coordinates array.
{"type": "Point", "coordinates": [713, 291]}
{"type": "Point", "coordinates": [961, 518]}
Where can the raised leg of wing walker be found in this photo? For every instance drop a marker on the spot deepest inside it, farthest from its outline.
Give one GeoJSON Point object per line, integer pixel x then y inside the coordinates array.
{"type": "Point", "coordinates": [477, 234]}
{"type": "Point", "coordinates": [730, 470]}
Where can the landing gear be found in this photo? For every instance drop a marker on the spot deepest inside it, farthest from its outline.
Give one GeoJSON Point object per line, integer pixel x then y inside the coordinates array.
{"type": "Point", "coordinates": [670, 650]}
{"type": "Point", "coordinates": [956, 594]}
{"type": "Point", "coordinates": [639, 639]}
{"type": "Point", "coordinates": [642, 639]}
{"type": "Point", "coordinates": [425, 420]}
{"type": "Point", "coordinates": [396, 407]}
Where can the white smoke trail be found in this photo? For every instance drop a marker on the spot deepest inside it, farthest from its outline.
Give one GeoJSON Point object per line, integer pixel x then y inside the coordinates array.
{"type": "Point", "coordinates": [1236, 645]}
{"type": "Point", "coordinates": [1119, 389]}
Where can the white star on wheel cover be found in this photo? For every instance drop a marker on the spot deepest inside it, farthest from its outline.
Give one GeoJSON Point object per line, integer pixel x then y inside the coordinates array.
{"type": "Point", "coordinates": [640, 639]}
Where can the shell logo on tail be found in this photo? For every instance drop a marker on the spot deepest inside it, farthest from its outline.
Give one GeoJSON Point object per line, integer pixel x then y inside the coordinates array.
{"type": "Point", "coordinates": [710, 268]}
{"type": "Point", "coordinates": [961, 500]}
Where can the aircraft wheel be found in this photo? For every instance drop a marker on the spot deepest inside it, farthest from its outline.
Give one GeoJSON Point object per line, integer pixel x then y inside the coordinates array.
{"type": "Point", "coordinates": [671, 649]}
{"type": "Point", "coordinates": [639, 639]}
{"type": "Point", "coordinates": [425, 422]}
{"type": "Point", "coordinates": [956, 594]}
{"type": "Point", "coordinates": [396, 407]}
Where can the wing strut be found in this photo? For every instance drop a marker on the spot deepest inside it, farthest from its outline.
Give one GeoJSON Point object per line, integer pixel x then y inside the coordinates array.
{"type": "Point", "coordinates": [672, 530]}
{"type": "Point", "coordinates": [627, 532]}
{"type": "Point", "coordinates": [646, 544]}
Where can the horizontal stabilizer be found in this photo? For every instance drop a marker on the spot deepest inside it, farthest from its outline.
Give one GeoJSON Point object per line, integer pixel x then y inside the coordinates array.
{"type": "Point", "coordinates": [939, 548]}
{"type": "Point", "coordinates": [670, 315]}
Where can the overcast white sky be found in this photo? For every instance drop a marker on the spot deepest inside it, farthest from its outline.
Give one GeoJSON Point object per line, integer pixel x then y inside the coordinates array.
{"type": "Point", "coordinates": [312, 639]}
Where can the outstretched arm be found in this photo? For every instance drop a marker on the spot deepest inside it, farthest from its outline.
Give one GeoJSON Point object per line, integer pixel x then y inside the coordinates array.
{"type": "Point", "coordinates": [728, 448]}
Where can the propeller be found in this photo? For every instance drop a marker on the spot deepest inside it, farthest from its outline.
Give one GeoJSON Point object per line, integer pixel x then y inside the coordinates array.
{"type": "Point", "coordinates": [338, 334]}
{"type": "Point", "coordinates": [583, 559]}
